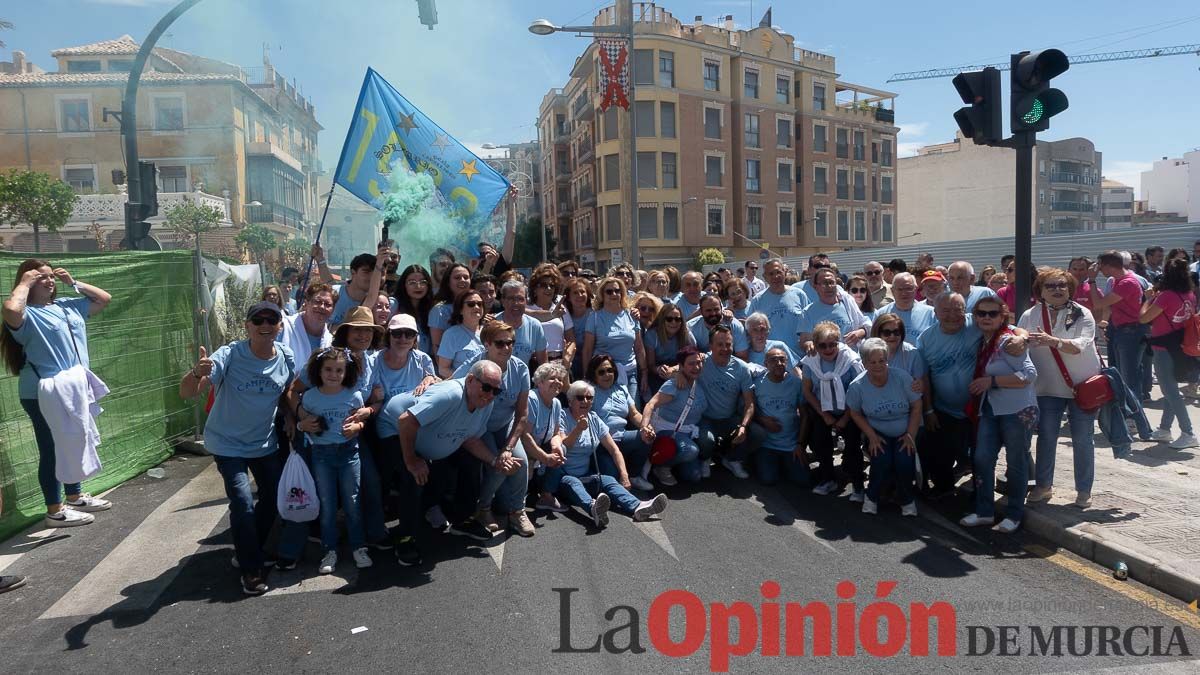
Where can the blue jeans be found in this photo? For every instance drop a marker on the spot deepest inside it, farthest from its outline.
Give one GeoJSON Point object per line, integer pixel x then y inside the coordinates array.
{"type": "Point", "coordinates": [52, 490]}
{"type": "Point", "coordinates": [250, 522]}
{"type": "Point", "coordinates": [336, 470]}
{"type": "Point", "coordinates": [1125, 345]}
{"type": "Point", "coordinates": [1083, 448]}
{"type": "Point", "coordinates": [1175, 407]}
{"type": "Point", "coordinates": [770, 465]}
{"type": "Point", "coordinates": [633, 449]}
{"type": "Point", "coordinates": [687, 456]}
{"type": "Point", "coordinates": [893, 463]}
{"type": "Point", "coordinates": [719, 432]}
{"type": "Point", "coordinates": [509, 491]}
{"type": "Point", "coordinates": [995, 430]}
{"type": "Point", "coordinates": [580, 490]}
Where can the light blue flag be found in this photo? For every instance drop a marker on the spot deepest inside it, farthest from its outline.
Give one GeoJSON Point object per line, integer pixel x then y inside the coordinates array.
{"type": "Point", "coordinates": [387, 127]}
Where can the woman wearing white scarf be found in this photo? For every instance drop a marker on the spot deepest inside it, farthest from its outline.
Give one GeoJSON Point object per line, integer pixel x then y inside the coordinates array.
{"type": "Point", "coordinates": [827, 374]}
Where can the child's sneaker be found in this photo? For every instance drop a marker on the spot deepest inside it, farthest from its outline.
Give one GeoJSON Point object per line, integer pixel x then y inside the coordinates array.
{"type": "Point", "coordinates": [362, 559]}
{"type": "Point", "coordinates": [328, 563]}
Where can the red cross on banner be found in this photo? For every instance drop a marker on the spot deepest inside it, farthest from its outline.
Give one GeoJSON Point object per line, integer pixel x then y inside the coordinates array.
{"type": "Point", "coordinates": [614, 74]}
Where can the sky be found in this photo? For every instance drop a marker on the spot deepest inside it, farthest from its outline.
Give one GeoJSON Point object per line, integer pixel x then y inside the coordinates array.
{"type": "Point", "coordinates": [481, 75]}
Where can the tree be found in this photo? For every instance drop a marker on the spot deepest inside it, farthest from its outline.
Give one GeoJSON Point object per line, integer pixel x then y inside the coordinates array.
{"type": "Point", "coordinates": [35, 198]}
{"type": "Point", "coordinates": [258, 240]}
{"type": "Point", "coordinates": [527, 249]}
{"type": "Point", "coordinates": [189, 220]}
{"type": "Point", "coordinates": [708, 256]}
{"type": "Point", "coordinates": [295, 254]}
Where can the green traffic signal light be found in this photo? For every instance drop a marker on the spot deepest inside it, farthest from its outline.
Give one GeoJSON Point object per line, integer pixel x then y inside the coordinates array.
{"type": "Point", "coordinates": [1035, 113]}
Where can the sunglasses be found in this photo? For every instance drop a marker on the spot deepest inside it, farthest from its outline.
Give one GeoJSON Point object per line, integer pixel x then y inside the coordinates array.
{"type": "Point", "coordinates": [827, 345]}
{"type": "Point", "coordinates": [271, 320]}
{"type": "Point", "coordinates": [858, 290]}
{"type": "Point", "coordinates": [605, 371]}
{"type": "Point", "coordinates": [1010, 269]}
{"type": "Point", "coordinates": [891, 332]}
{"type": "Point", "coordinates": [503, 344]}
{"type": "Point", "coordinates": [987, 313]}
{"type": "Point", "coordinates": [584, 398]}
{"type": "Point", "coordinates": [473, 303]}
{"type": "Point", "coordinates": [404, 334]}
{"type": "Point", "coordinates": [673, 319]}
{"type": "Point", "coordinates": [873, 273]}
{"type": "Point", "coordinates": [490, 388]}
{"type": "Point", "coordinates": [548, 286]}
{"type": "Point", "coordinates": [612, 291]}
{"type": "Point", "coordinates": [1060, 286]}
{"type": "Point", "coordinates": [752, 268]}
{"type": "Point", "coordinates": [569, 273]}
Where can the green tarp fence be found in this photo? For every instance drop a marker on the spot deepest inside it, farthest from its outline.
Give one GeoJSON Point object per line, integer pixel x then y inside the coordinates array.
{"type": "Point", "coordinates": [140, 345]}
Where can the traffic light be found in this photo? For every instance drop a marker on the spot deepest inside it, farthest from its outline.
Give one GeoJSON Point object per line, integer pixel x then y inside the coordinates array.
{"type": "Point", "coordinates": [137, 230]}
{"type": "Point", "coordinates": [1034, 102]}
{"type": "Point", "coordinates": [427, 12]}
{"type": "Point", "coordinates": [981, 119]}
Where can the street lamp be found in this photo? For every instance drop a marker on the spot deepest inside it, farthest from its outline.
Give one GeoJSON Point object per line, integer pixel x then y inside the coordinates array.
{"type": "Point", "coordinates": [623, 29]}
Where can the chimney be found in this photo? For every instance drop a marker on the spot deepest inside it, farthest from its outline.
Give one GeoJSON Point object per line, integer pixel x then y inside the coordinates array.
{"type": "Point", "coordinates": [698, 21]}
{"type": "Point", "coordinates": [18, 61]}
{"type": "Point", "coordinates": [729, 22]}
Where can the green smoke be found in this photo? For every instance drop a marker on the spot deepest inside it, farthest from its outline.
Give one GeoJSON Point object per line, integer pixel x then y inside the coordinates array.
{"type": "Point", "coordinates": [420, 223]}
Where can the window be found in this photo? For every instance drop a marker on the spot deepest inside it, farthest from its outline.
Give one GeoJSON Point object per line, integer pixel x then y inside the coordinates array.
{"type": "Point", "coordinates": [647, 169]}
{"type": "Point", "coordinates": [172, 179]}
{"type": "Point", "coordinates": [783, 133]}
{"type": "Point", "coordinates": [81, 179]}
{"type": "Point", "coordinates": [670, 222]}
{"type": "Point", "coordinates": [75, 115]}
{"type": "Point", "coordinates": [843, 225]}
{"type": "Point", "coordinates": [753, 184]}
{"type": "Point", "coordinates": [820, 223]}
{"type": "Point", "coordinates": [783, 177]}
{"type": "Point", "coordinates": [818, 96]}
{"type": "Point", "coordinates": [874, 153]}
{"type": "Point", "coordinates": [1041, 167]}
{"type": "Point", "coordinates": [168, 113]}
{"type": "Point", "coordinates": [1041, 196]}
{"type": "Point", "coordinates": [712, 171]}
{"type": "Point", "coordinates": [712, 76]}
{"type": "Point", "coordinates": [781, 90]}
{"type": "Point", "coordinates": [843, 184]}
{"type": "Point", "coordinates": [820, 180]}
{"type": "Point", "coordinates": [860, 186]}
{"type": "Point", "coordinates": [860, 226]}
{"type": "Point", "coordinates": [666, 69]}
{"type": "Point", "coordinates": [860, 150]}
{"type": "Point", "coordinates": [120, 65]}
{"type": "Point", "coordinates": [669, 180]}
{"type": "Point", "coordinates": [610, 123]}
{"type": "Point", "coordinates": [874, 226]}
{"type": "Point", "coordinates": [83, 66]}
{"type": "Point", "coordinates": [643, 118]}
{"type": "Point", "coordinates": [886, 152]}
{"type": "Point", "coordinates": [716, 220]}
{"type": "Point", "coordinates": [751, 131]}
{"type": "Point", "coordinates": [643, 66]}
{"type": "Point", "coordinates": [612, 216]}
{"type": "Point", "coordinates": [666, 119]}
{"type": "Point", "coordinates": [648, 222]}
{"type": "Point", "coordinates": [843, 146]}
{"type": "Point", "coordinates": [712, 123]}
{"type": "Point", "coordinates": [750, 84]}
{"type": "Point", "coordinates": [820, 140]}
{"type": "Point", "coordinates": [888, 234]}
{"type": "Point", "coordinates": [785, 222]}
{"type": "Point", "coordinates": [886, 189]}
{"type": "Point", "coordinates": [754, 222]}
{"type": "Point", "coordinates": [612, 172]}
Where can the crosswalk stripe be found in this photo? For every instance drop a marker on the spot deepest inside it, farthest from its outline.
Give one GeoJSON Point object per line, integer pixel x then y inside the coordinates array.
{"type": "Point", "coordinates": [301, 579]}
{"type": "Point", "coordinates": [147, 561]}
{"type": "Point", "coordinates": [495, 549]}
{"type": "Point", "coordinates": [658, 534]}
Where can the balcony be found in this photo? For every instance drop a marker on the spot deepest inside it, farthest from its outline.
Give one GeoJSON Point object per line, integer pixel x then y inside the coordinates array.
{"type": "Point", "coordinates": [885, 115]}
{"type": "Point", "coordinates": [583, 109]}
{"type": "Point", "coordinates": [1071, 225]}
{"type": "Point", "coordinates": [1075, 207]}
{"type": "Point", "coordinates": [587, 198]}
{"type": "Point", "coordinates": [1072, 178]}
{"type": "Point", "coordinates": [268, 149]}
{"type": "Point", "coordinates": [101, 208]}
{"type": "Point", "coordinates": [562, 175]}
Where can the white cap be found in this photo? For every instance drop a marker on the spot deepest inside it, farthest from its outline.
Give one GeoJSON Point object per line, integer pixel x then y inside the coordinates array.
{"type": "Point", "coordinates": [402, 321]}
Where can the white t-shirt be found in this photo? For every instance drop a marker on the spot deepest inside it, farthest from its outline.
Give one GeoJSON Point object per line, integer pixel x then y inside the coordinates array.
{"type": "Point", "coordinates": [552, 329]}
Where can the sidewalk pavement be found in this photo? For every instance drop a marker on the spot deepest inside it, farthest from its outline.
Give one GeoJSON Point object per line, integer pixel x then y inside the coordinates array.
{"type": "Point", "coordinates": [1145, 510]}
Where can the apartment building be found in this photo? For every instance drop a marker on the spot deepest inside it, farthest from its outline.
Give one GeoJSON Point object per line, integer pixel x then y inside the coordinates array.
{"type": "Point", "coordinates": [745, 143]}
{"type": "Point", "coordinates": [1116, 204]}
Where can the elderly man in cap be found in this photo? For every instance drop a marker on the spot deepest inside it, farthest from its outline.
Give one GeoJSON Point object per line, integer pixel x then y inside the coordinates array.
{"type": "Point", "coordinates": [933, 286]}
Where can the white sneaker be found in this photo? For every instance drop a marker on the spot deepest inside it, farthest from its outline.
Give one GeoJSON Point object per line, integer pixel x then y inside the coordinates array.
{"type": "Point", "coordinates": [1161, 435]}
{"type": "Point", "coordinates": [826, 488]}
{"type": "Point", "coordinates": [1007, 526]}
{"type": "Point", "coordinates": [328, 563]}
{"type": "Point", "coordinates": [89, 503]}
{"type": "Point", "coordinates": [67, 517]}
{"type": "Point", "coordinates": [650, 508]}
{"type": "Point", "coordinates": [859, 497]}
{"type": "Point", "coordinates": [868, 506]}
{"type": "Point", "coordinates": [1185, 441]}
{"type": "Point", "coordinates": [641, 484]}
{"type": "Point", "coordinates": [435, 517]}
{"type": "Point", "coordinates": [909, 509]}
{"type": "Point", "coordinates": [664, 476]}
{"type": "Point", "coordinates": [735, 467]}
{"type": "Point", "coordinates": [362, 559]}
{"type": "Point", "coordinates": [705, 468]}
{"type": "Point", "coordinates": [599, 510]}
{"type": "Point", "coordinates": [972, 520]}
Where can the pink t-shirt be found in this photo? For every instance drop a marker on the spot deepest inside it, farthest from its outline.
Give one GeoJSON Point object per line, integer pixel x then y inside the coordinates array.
{"type": "Point", "coordinates": [1083, 294]}
{"type": "Point", "coordinates": [1176, 308]}
{"type": "Point", "coordinates": [1130, 307]}
{"type": "Point", "coordinates": [1009, 295]}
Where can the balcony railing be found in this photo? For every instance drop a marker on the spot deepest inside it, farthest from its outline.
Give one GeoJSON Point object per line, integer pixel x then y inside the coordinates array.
{"type": "Point", "coordinates": [102, 208]}
{"type": "Point", "coordinates": [1074, 178]}
{"type": "Point", "coordinates": [587, 198]}
{"type": "Point", "coordinates": [1079, 207]}
{"type": "Point", "coordinates": [583, 107]}
{"type": "Point", "coordinates": [885, 115]}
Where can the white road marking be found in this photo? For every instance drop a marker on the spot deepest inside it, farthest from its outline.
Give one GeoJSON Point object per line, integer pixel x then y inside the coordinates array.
{"type": "Point", "coordinates": [302, 579]}
{"type": "Point", "coordinates": [496, 550]}
{"type": "Point", "coordinates": [657, 533]}
{"type": "Point", "coordinates": [805, 527]}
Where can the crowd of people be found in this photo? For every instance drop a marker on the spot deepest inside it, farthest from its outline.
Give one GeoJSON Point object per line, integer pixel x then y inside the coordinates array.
{"type": "Point", "coordinates": [461, 397]}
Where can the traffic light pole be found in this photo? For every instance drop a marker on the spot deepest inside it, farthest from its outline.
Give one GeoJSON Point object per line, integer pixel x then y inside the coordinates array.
{"type": "Point", "coordinates": [1024, 142]}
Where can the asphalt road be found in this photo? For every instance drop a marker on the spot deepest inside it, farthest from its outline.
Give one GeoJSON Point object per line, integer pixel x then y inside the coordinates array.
{"type": "Point", "coordinates": [149, 587]}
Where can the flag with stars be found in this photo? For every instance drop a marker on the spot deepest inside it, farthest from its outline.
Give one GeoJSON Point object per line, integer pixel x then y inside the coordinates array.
{"type": "Point", "coordinates": [386, 129]}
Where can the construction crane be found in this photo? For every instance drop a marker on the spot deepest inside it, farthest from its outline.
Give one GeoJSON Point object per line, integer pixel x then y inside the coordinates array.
{"type": "Point", "coordinates": [1074, 60]}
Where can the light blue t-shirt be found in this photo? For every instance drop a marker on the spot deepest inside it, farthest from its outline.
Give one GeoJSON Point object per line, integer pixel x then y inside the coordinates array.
{"type": "Point", "coordinates": [908, 358]}
{"type": "Point", "coordinates": [367, 375]}
{"type": "Point", "coordinates": [951, 363]}
{"type": "Point", "coordinates": [916, 320]}
{"type": "Point", "coordinates": [670, 412]}
{"type": "Point", "coordinates": [579, 453]}
{"type": "Point", "coordinates": [838, 313]}
{"type": "Point", "coordinates": [783, 311]}
{"type": "Point", "coordinates": [976, 294]}
{"type": "Point", "coordinates": [760, 358]}
{"type": "Point", "coordinates": [852, 372]}
{"type": "Point", "coordinates": [699, 330]}
{"type": "Point", "coordinates": [514, 381]}
{"type": "Point", "coordinates": [445, 420]}
{"type": "Point", "coordinates": [664, 350]}
{"type": "Point", "coordinates": [886, 408]}
{"type": "Point", "coordinates": [615, 335]}
{"type": "Point", "coordinates": [242, 420]}
{"type": "Point", "coordinates": [685, 305]}
{"type": "Point", "coordinates": [739, 314]}
{"type": "Point", "coordinates": [612, 404]}
{"type": "Point", "coordinates": [724, 386]}
{"type": "Point", "coordinates": [439, 316]}
{"type": "Point", "coordinates": [405, 379]}
{"type": "Point", "coordinates": [459, 343]}
{"type": "Point", "coordinates": [780, 400]}
{"type": "Point", "coordinates": [48, 348]}
{"type": "Point", "coordinates": [345, 303]}
{"type": "Point", "coordinates": [334, 409]}
{"type": "Point", "coordinates": [528, 338]}
{"type": "Point", "coordinates": [387, 422]}
{"type": "Point", "coordinates": [544, 419]}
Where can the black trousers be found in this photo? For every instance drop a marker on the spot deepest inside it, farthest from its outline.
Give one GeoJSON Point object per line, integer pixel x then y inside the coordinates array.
{"type": "Point", "coordinates": [941, 449]}
{"type": "Point", "coordinates": [823, 441]}
{"type": "Point", "coordinates": [453, 484]}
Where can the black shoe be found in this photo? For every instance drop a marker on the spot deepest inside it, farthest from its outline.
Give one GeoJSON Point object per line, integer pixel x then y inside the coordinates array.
{"type": "Point", "coordinates": [11, 583]}
{"type": "Point", "coordinates": [285, 564]}
{"type": "Point", "coordinates": [472, 528]}
{"type": "Point", "coordinates": [253, 585]}
{"type": "Point", "coordinates": [407, 552]}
